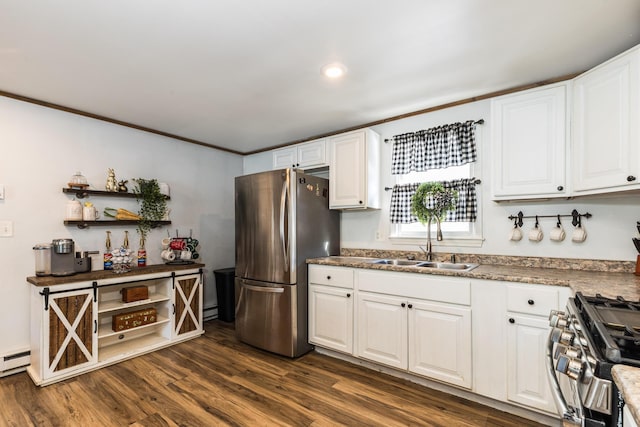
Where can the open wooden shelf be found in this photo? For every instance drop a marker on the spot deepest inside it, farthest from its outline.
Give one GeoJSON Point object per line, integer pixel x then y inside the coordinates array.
{"type": "Point", "coordinates": [81, 194]}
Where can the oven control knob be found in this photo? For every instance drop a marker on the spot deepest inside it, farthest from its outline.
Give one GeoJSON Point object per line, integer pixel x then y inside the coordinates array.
{"type": "Point", "coordinates": [566, 338]}
{"type": "Point", "coordinates": [573, 352]}
{"type": "Point", "coordinates": [557, 319]}
{"type": "Point", "coordinates": [569, 366]}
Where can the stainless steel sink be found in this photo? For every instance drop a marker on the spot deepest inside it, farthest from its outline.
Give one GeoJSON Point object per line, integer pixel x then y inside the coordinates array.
{"type": "Point", "coordinates": [447, 266]}
{"type": "Point", "coordinates": [427, 264]}
{"type": "Point", "coordinates": [397, 262]}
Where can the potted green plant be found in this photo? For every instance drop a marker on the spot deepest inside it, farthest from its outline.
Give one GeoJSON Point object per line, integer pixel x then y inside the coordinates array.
{"type": "Point", "coordinates": [153, 204]}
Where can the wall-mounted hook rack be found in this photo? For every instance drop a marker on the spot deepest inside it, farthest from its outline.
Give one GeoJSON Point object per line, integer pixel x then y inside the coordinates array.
{"type": "Point", "coordinates": [575, 215]}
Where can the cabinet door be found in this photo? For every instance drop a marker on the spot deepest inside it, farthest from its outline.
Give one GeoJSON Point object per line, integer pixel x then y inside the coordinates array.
{"type": "Point", "coordinates": [529, 143]}
{"type": "Point", "coordinates": [331, 318]}
{"type": "Point", "coordinates": [285, 158]}
{"type": "Point", "coordinates": [440, 342]}
{"type": "Point", "coordinates": [187, 305]}
{"type": "Point", "coordinates": [70, 332]}
{"type": "Point", "coordinates": [527, 380]}
{"type": "Point", "coordinates": [312, 154]}
{"type": "Point", "coordinates": [627, 417]}
{"type": "Point", "coordinates": [382, 329]}
{"type": "Point", "coordinates": [606, 126]}
{"type": "Point", "coordinates": [348, 171]}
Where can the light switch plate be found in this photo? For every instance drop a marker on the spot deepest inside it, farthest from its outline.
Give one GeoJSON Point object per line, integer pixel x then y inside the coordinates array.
{"type": "Point", "coordinates": [6, 228]}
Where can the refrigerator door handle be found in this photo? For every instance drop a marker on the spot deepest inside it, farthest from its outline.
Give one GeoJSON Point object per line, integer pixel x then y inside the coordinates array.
{"type": "Point", "coordinates": [266, 289]}
{"type": "Point", "coordinates": [284, 196]}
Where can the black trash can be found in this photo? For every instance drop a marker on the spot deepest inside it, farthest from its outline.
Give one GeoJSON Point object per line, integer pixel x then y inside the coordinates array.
{"type": "Point", "coordinates": [226, 294]}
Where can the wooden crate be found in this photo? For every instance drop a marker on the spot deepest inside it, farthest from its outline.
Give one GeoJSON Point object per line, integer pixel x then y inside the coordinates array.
{"type": "Point", "coordinates": [132, 319]}
{"type": "Point", "coordinates": [135, 293]}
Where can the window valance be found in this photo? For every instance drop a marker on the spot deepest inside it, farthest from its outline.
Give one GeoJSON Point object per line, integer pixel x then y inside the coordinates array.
{"type": "Point", "coordinates": [466, 204]}
{"type": "Point", "coordinates": [436, 148]}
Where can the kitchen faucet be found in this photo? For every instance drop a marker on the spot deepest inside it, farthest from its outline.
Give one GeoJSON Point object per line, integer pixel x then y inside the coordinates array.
{"type": "Point", "coordinates": [428, 251]}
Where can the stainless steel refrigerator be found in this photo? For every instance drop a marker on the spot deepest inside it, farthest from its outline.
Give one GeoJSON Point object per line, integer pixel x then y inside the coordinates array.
{"type": "Point", "coordinates": [282, 218]}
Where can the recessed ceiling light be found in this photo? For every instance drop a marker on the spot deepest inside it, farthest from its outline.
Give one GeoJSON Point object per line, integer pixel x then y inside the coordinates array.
{"type": "Point", "coordinates": [334, 70]}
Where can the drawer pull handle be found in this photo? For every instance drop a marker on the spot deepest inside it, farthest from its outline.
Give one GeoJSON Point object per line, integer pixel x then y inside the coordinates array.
{"type": "Point", "coordinates": [531, 302]}
{"type": "Point", "coordinates": [402, 305]}
{"type": "Point", "coordinates": [631, 178]}
{"type": "Point", "coordinates": [512, 320]}
{"type": "Point", "coordinates": [560, 188]}
{"type": "Point", "coordinates": [348, 295]}
{"type": "Point", "coordinates": [410, 306]}
{"type": "Point", "coordinates": [328, 277]}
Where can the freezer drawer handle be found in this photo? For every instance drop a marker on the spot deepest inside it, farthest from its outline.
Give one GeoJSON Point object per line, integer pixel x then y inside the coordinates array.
{"type": "Point", "coordinates": [263, 289]}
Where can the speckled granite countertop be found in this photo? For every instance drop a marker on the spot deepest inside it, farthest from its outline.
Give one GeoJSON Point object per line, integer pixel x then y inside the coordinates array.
{"type": "Point", "coordinates": [576, 274]}
{"type": "Point", "coordinates": [628, 380]}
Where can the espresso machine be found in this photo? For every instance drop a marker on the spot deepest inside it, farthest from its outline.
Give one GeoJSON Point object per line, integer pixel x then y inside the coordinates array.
{"type": "Point", "coordinates": [64, 260]}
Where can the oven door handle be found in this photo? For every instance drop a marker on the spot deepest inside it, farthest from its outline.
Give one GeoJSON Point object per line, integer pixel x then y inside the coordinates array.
{"type": "Point", "coordinates": [568, 413]}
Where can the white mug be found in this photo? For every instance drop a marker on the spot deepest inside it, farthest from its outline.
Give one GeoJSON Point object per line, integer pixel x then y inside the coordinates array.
{"type": "Point", "coordinates": [185, 254]}
{"type": "Point", "coordinates": [557, 234]}
{"type": "Point", "coordinates": [74, 210]}
{"type": "Point", "coordinates": [90, 213]}
{"type": "Point", "coordinates": [515, 234]}
{"type": "Point", "coordinates": [168, 255]}
{"type": "Point", "coordinates": [165, 243]}
{"type": "Point", "coordinates": [579, 234]}
{"type": "Point", "coordinates": [535, 234]}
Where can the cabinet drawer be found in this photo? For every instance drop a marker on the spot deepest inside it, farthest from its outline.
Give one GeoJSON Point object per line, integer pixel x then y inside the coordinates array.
{"type": "Point", "coordinates": [532, 299]}
{"type": "Point", "coordinates": [331, 276]}
{"type": "Point", "coordinates": [410, 285]}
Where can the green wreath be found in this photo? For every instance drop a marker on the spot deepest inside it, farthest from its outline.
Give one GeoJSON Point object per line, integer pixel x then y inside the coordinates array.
{"type": "Point", "coordinates": [442, 200]}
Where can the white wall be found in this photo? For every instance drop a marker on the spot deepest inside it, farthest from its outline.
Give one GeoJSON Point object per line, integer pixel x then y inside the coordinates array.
{"type": "Point", "coordinates": [609, 230]}
{"type": "Point", "coordinates": [42, 148]}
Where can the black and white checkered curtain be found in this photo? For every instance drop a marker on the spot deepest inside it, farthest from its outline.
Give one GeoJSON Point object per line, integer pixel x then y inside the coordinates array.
{"type": "Point", "coordinates": [466, 205]}
{"type": "Point", "coordinates": [435, 148]}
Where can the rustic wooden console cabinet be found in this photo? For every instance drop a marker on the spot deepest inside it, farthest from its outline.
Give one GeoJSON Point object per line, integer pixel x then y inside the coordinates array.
{"type": "Point", "coordinates": [71, 318]}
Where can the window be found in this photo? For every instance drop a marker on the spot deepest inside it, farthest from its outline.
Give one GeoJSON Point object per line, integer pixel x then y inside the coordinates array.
{"type": "Point", "coordinates": [454, 233]}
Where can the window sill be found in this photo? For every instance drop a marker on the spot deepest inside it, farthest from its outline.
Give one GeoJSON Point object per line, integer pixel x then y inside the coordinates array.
{"type": "Point", "coordinates": [467, 242]}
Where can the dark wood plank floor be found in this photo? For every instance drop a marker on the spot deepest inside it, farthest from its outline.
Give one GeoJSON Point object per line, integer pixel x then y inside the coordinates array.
{"type": "Point", "coordinates": [217, 381]}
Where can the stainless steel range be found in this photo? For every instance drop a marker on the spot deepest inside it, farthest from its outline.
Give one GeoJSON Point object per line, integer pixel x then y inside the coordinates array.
{"type": "Point", "coordinates": [592, 335]}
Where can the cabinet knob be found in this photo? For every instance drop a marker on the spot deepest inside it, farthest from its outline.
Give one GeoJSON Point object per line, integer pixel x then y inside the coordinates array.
{"type": "Point", "coordinates": [360, 201]}
{"type": "Point", "coordinates": [348, 295]}
{"type": "Point", "coordinates": [512, 320]}
{"type": "Point", "coordinates": [297, 164]}
{"type": "Point", "coordinates": [531, 302]}
{"type": "Point", "coordinates": [410, 306]}
{"type": "Point", "coordinates": [631, 178]}
{"type": "Point", "coordinates": [328, 277]}
{"type": "Point", "coordinates": [403, 305]}
{"type": "Point", "coordinates": [560, 188]}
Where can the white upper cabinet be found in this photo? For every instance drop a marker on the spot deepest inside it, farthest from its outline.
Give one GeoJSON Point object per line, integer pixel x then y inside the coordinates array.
{"type": "Point", "coordinates": [606, 126]}
{"type": "Point", "coordinates": [529, 135]}
{"type": "Point", "coordinates": [307, 155]}
{"type": "Point", "coordinates": [354, 170]}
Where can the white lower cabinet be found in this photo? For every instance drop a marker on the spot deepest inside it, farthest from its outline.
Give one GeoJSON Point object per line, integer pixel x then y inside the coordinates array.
{"type": "Point", "coordinates": [412, 322]}
{"type": "Point", "coordinates": [510, 330]}
{"type": "Point", "coordinates": [331, 318]}
{"type": "Point", "coordinates": [526, 371]}
{"type": "Point", "coordinates": [74, 328]}
{"type": "Point", "coordinates": [382, 329]}
{"type": "Point", "coordinates": [627, 418]}
{"type": "Point", "coordinates": [440, 342]}
{"type": "Point", "coordinates": [486, 336]}
{"type": "Point", "coordinates": [331, 307]}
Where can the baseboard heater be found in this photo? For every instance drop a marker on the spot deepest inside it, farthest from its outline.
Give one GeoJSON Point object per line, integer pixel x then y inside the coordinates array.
{"type": "Point", "coordinates": [14, 363]}
{"type": "Point", "coordinates": [210, 313]}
